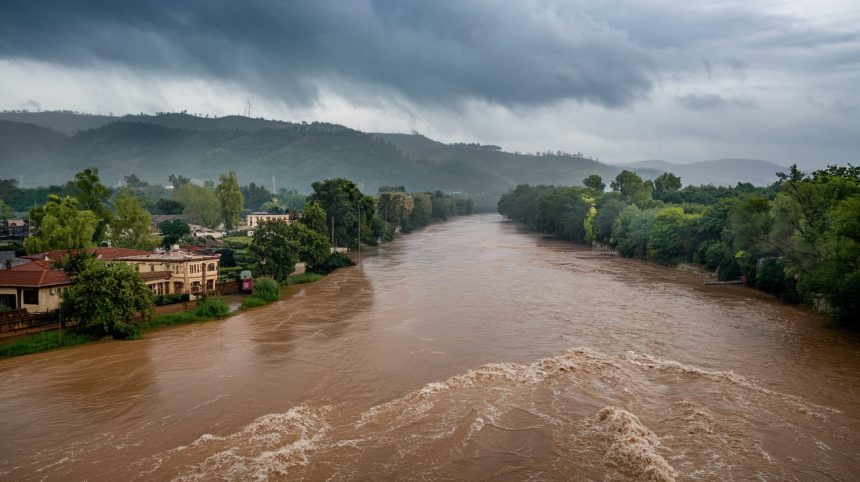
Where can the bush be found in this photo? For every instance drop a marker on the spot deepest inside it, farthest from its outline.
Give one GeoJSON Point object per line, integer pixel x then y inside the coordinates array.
{"type": "Point", "coordinates": [162, 300]}
{"type": "Point", "coordinates": [332, 262]}
{"type": "Point", "coordinates": [45, 341]}
{"type": "Point", "coordinates": [302, 278]}
{"type": "Point", "coordinates": [125, 331]}
{"type": "Point", "coordinates": [253, 302]}
{"type": "Point", "coordinates": [212, 308]}
{"type": "Point", "coordinates": [773, 277]}
{"type": "Point", "coordinates": [267, 289]}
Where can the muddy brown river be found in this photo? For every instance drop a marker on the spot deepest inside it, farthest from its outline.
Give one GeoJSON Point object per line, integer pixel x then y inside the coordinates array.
{"type": "Point", "coordinates": [468, 350]}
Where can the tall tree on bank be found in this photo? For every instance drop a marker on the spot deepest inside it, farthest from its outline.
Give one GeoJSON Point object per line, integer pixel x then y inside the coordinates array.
{"type": "Point", "coordinates": [632, 187]}
{"type": "Point", "coordinates": [61, 225]}
{"type": "Point", "coordinates": [130, 225]}
{"type": "Point", "coordinates": [341, 200]}
{"type": "Point", "coordinates": [274, 250]}
{"type": "Point", "coordinates": [93, 196]}
{"type": "Point", "coordinates": [314, 217]}
{"type": "Point", "coordinates": [109, 296]}
{"type": "Point", "coordinates": [231, 199]}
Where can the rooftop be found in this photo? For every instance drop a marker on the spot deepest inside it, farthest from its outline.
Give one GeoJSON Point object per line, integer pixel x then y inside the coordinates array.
{"type": "Point", "coordinates": [104, 254]}
{"type": "Point", "coordinates": [34, 274]}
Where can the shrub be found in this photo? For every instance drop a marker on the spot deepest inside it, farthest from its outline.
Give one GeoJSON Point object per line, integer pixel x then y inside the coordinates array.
{"type": "Point", "coordinates": [332, 262]}
{"type": "Point", "coordinates": [266, 289]}
{"type": "Point", "coordinates": [212, 308]}
{"type": "Point", "coordinates": [773, 277]}
{"type": "Point", "coordinates": [302, 278]}
{"type": "Point", "coordinates": [162, 300]}
{"type": "Point", "coordinates": [253, 302]}
{"type": "Point", "coordinates": [45, 341]}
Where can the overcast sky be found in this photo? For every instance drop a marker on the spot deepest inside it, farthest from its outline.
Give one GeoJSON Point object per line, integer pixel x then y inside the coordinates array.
{"type": "Point", "coordinates": [621, 80]}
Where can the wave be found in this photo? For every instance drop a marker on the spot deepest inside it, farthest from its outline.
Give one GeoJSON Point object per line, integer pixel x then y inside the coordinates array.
{"type": "Point", "coordinates": [575, 415]}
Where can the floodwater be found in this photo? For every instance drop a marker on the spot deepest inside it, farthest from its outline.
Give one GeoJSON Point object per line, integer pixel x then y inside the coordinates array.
{"type": "Point", "coordinates": [468, 350]}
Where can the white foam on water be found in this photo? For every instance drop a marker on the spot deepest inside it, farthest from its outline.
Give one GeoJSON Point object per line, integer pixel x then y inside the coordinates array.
{"type": "Point", "coordinates": [728, 376]}
{"type": "Point", "coordinates": [633, 447]}
{"type": "Point", "coordinates": [272, 445]}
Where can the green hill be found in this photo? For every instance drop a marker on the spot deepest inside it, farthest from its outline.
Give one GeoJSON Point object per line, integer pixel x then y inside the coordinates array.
{"type": "Point", "coordinates": [49, 147]}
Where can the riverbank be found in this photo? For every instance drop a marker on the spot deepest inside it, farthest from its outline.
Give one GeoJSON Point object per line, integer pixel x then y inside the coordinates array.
{"type": "Point", "coordinates": [209, 309]}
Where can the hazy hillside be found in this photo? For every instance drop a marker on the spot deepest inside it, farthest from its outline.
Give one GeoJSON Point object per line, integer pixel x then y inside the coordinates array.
{"type": "Point", "coordinates": [726, 172]}
{"type": "Point", "coordinates": [153, 147]}
{"type": "Point", "coordinates": [68, 122]}
{"type": "Point", "coordinates": [514, 168]}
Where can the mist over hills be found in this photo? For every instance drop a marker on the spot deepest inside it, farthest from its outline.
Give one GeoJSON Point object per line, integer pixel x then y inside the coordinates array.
{"type": "Point", "coordinates": [49, 147]}
{"type": "Point", "coordinates": [726, 172]}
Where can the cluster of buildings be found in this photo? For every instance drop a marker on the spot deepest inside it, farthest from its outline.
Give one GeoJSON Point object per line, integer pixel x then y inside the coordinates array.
{"type": "Point", "coordinates": [33, 283]}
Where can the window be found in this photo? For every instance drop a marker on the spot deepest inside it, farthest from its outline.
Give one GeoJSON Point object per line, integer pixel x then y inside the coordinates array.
{"type": "Point", "coordinates": [31, 297]}
{"type": "Point", "coordinates": [211, 267]}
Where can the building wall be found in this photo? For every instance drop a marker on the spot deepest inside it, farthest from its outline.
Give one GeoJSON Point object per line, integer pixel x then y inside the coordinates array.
{"type": "Point", "coordinates": [48, 299]}
{"type": "Point", "coordinates": [254, 219]}
{"type": "Point", "coordinates": [188, 276]}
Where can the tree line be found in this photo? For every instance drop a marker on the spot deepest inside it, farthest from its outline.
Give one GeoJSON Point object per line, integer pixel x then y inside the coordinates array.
{"type": "Point", "coordinates": [798, 239]}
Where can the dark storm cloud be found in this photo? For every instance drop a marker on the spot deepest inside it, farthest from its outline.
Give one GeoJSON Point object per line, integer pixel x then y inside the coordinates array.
{"type": "Point", "coordinates": [431, 52]}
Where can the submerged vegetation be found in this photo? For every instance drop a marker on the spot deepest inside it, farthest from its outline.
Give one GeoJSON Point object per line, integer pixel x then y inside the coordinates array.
{"type": "Point", "coordinates": [798, 238]}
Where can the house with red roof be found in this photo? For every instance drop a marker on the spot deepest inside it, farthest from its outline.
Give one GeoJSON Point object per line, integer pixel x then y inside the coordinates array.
{"type": "Point", "coordinates": [36, 285]}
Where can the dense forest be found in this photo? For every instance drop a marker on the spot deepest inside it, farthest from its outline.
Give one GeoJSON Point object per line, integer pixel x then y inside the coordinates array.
{"type": "Point", "coordinates": [798, 238]}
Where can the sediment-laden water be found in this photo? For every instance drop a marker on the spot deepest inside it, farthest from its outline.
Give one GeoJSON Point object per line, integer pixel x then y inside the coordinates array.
{"type": "Point", "coordinates": [468, 350]}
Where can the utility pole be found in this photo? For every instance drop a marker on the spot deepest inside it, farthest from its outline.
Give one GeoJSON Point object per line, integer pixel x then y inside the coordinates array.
{"type": "Point", "coordinates": [359, 233]}
{"type": "Point", "coordinates": [333, 244]}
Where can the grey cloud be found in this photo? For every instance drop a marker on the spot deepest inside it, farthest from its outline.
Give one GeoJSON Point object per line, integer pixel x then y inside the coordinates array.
{"type": "Point", "coordinates": [713, 101]}
{"type": "Point", "coordinates": [431, 52]}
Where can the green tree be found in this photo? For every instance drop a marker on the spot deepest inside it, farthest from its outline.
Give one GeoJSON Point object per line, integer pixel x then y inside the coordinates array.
{"type": "Point", "coordinates": [594, 183]}
{"type": "Point", "coordinates": [608, 207]}
{"type": "Point", "coordinates": [255, 196]}
{"type": "Point", "coordinates": [61, 226]}
{"type": "Point", "coordinates": [817, 229]}
{"type": "Point", "coordinates": [670, 239]}
{"type": "Point", "coordinates": [168, 206]}
{"type": "Point", "coordinates": [342, 201]}
{"type": "Point", "coordinates": [112, 297]}
{"type": "Point", "coordinates": [175, 227]}
{"type": "Point", "coordinates": [178, 181]}
{"type": "Point", "coordinates": [314, 217]}
{"type": "Point", "coordinates": [230, 198]}
{"type": "Point", "coordinates": [92, 195]}
{"type": "Point", "coordinates": [131, 224]}
{"type": "Point", "coordinates": [632, 187]}
{"type": "Point", "coordinates": [665, 183]}
{"type": "Point", "coordinates": [422, 211]}
{"type": "Point", "coordinates": [200, 201]}
{"type": "Point", "coordinates": [274, 250]}
{"type": "Point", "coordinates": [6, 212]}
{"type": "Point", "coordinates": [134, 182]}
{"type": "Point", "coordinates": [313, 246]}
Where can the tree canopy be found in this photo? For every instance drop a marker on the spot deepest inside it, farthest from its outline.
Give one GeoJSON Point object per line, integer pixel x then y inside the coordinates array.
{"type": "Point", "coordinates": [109, 296]}
{"type": "Point", "coordinates": [130, 225]}
{"type": "Point", "coordinates": [61, 225]}
{"type": "Point", "coordinates": [231, 200]}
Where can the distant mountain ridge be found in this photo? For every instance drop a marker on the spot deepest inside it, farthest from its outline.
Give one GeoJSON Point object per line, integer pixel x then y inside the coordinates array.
{"type": "Point", "coordinates": [49, 147]}
{"type": "Point", "coordinates": [727, 172]}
